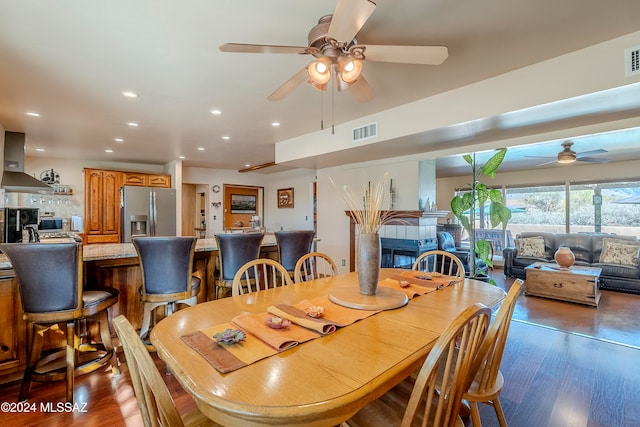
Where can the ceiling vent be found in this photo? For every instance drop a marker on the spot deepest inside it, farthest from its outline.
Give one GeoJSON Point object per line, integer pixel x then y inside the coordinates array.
{"type": "Point", "coordinates": [632, 61]}
{"type": "Point", "coordinates": [364, 132]}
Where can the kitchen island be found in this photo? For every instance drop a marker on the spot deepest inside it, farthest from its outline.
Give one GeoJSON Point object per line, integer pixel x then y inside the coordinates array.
{"type": "Point", "coordinates": [110, 264]}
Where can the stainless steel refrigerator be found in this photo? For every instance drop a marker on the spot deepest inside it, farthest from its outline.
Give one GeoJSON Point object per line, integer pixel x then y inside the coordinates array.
{"type": "Point", "coordinates": [147, 211]}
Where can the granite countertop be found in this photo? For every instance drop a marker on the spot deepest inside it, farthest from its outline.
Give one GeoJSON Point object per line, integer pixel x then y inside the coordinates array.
{"type": "Point", "coordinates": [126, 250]}
{"type": "Point", "coordinates": [104, 251]}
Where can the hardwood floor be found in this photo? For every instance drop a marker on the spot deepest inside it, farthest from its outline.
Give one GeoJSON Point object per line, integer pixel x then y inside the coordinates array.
{"type": "Point", "coordinates": [562, 367]}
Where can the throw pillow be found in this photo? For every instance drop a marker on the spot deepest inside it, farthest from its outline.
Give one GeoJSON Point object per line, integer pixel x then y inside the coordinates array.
{"type": "Point", "coordinates": [622, 252]}
{"type": "Point", "coordinates": [530, 247]}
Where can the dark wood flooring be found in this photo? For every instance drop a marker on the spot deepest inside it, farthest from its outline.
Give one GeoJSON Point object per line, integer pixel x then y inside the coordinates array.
{"type": "Point", "coordinates": [565, 365]}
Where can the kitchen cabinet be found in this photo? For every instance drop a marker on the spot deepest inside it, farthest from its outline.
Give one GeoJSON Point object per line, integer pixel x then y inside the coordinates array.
{"type": "Point", "coordinates": [147, 180]}
{"type": "Point", "coordinates": [13, 332]}
{"type": "Point", "coordinates": [102, 205]}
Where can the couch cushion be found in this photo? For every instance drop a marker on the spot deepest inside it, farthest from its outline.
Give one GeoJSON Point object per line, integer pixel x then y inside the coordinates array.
{"type": "Point", "coordinates": [530, 247]}
{"type": "Point", "coordinates": [623, 252]}
{"type": "Point", "coordinates": [618, 270]}
{"type": "Point", "coordinates": [596, 241]}
{"type": "Point", "coordinates": [580, 245]}
{"type": "Point", "coordinates": [549, 241]}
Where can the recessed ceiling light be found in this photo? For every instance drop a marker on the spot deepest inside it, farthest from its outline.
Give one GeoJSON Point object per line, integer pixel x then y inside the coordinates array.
{"type": "Point", "coordinates": [182, 157]}
{"type": "Point", "coordinates": [130, 94]}
{"type": "Point", "coordinates": [216, 112]}
{"type": "Point", "coordinates": [118, 139]}
{"type": "Point", "coordinates": [33, 114]}
{"type": "Point", "coordinates": [108, 150]}
{"type": "Point", "coordinates": [200, 148]}
{"type": "Point", "coordinates": [132, 124]}
{"type": "Point", "coordinates": [226, 137]}
{"type": "Point", "coordinates": [39, 149]}
{"type": "Point", "coordinates": [275, 124]}
{"type": "Point", "coordinates": [247, 165]}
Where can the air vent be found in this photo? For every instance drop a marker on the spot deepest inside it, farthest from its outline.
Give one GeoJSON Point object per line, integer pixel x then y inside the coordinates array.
{"type": "Point", "coordinates": [632, 61]}
{"type": "Point", "coordinates": [364, 132]}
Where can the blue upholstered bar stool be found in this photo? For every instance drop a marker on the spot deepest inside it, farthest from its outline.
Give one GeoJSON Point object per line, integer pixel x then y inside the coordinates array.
{"type": "Point", "coordinates": [234, 250]}
{"type": "Point", "coordinates": [166, 264]}
{"type": "Point", "coordinates": [50, 282]}
{"type": "Point", "coordinates": [292, 245]}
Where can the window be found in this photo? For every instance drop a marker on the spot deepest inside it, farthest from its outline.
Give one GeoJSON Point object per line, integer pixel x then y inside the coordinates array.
{"type": "Point", "coordinates": [607, 207]}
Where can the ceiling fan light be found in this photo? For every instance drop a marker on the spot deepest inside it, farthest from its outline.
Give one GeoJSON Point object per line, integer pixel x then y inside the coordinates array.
{"type": "Point", "coordinates": [566, 158]}
{"type": "Point", "coordinates": [341, 84]}
{"type": "Point", "coordinates": [322, 87]}
{"type": "Point", "coordinates": [350, 69]}
{"type": "Point", "coordinates": [320, 71]}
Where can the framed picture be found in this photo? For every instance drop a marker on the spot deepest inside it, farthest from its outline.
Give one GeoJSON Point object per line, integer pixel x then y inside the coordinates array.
{"type": "Point", "coordinates": [243, 204]}
{"type": "Point", "coordinates": [285, 197]}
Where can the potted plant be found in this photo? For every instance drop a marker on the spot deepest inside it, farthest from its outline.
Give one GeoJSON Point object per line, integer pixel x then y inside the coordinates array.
{"type": "Point", "coordinates": [478, 194]}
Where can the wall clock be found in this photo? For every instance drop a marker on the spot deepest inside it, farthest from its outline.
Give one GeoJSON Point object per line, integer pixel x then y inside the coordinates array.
{"type": "Point", "coordinates": [215, 188]}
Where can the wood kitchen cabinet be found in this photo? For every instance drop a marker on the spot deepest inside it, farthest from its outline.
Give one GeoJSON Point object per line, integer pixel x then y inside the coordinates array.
{"type": "Point", "coordinates": [147, 180]}
{"type": "Point", "coordinates": [13, 331]}
{"type": "Point", "coordinates": [102, 205]}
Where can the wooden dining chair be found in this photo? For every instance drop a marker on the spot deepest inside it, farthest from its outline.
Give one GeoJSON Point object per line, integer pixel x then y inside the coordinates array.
{"type": "Point", "coordinates": [487, 384]}
{"type": "Point", "coordinates": [314, 265]}
{"type": "Point", "coordinates": [438, 261]}
{"type": "Point", "coordinates": [259, 274]}
{"type": "Point", "coordinates": [154, 399]}
{"type": "Point", "coordinates": [434, 400]}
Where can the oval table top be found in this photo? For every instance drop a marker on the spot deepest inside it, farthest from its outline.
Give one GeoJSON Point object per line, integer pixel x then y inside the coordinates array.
{"type": "Point", "coordinates": [321, 382]}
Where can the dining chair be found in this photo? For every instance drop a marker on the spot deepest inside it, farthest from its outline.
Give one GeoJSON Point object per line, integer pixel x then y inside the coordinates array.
{"type": "Point", "coordinates": [50, 284]}
{"type": "Point", "coordinates": [433, 401]}
{"type": "Point", "coordinates": [154, 399]}
{"type": "Point", "coordinates": [234, 250]}
{"type": "Point", "coordinates": [166, 264]}
{"type": "Point", "coordinates": [438, 261]}
{"type": "Point", "coordinates": [292, 245]}
{"type": "Point", "coordinates": [488, 382]}
{"type": "Point", "coordinates": [259, 274]}
{"type": "Point", "coordinates": [314, 265]}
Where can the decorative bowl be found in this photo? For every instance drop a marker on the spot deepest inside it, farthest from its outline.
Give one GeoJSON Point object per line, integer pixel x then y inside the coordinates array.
{"type": "Point", "coordinates": [229, 336]}
{"type": "Point", "coordinates": [276, 322]}
{"type": "Point", "coordinates": [315, 311]}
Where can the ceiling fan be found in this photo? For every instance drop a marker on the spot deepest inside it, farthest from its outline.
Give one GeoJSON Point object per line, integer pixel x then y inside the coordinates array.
{"type": "Point", "coordinates": [567, 155]}
{"type": "Point", "coordinates": [332, 42]}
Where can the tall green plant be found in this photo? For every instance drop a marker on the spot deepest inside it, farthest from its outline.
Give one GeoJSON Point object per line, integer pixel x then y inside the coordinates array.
{"type": "Point", "coordinates": [477, 195]}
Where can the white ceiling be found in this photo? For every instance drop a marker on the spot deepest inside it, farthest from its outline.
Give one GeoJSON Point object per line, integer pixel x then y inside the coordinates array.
{"type": "Point", "coordinates": [70, 60]}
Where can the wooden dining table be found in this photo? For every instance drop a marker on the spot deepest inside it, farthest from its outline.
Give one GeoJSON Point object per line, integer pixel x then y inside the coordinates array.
{"type": "Point", "coordinates": [321, 382]}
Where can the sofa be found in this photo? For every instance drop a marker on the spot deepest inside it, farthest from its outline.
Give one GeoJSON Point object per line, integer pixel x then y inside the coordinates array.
{"type": "Point", "coordinates": [616, 255]}
{"type": "Point", "coordinates": [447, 243]}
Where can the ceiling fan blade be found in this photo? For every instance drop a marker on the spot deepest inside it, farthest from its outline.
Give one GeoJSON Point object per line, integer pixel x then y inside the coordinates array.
{"type": "Point", "coordinates": [541, 157]}
{"type": "Point", "coordinates": [427, 55]}
{"type": "Point", "coordinates": [592, 160]}
{"type": "Point", "coordinates": [361, 90]}
{"type": "Point", "coordinates": [348, 17]}
{"type": "Point", "coordinates": [591, 152]}
{"type": "Point", "coordinates": [262, 48]}
{"type": "Point", "coordinates": [547, 163]}
{"type": "Point", "coordinates": [288, 86]}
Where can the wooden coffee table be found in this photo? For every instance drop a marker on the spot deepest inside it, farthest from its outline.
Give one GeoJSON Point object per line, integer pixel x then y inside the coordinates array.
{"type": "Point", "coordinates": [574, 284]}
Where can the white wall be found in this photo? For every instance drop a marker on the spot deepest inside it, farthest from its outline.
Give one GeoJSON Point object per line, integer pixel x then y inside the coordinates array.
{"type": "Point", "coordinates": [333, 223]}
{"type": "Point", "coordinates": [299, 217]}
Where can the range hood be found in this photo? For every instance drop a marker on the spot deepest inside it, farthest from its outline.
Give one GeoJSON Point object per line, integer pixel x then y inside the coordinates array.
{"type": "Point", "coordinates": [13, 178]}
